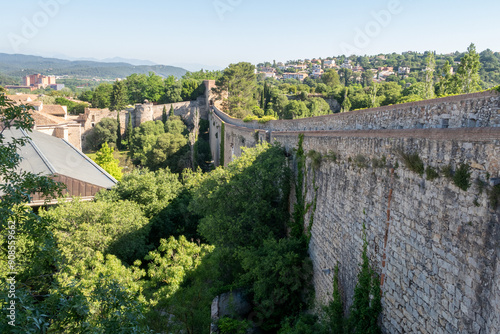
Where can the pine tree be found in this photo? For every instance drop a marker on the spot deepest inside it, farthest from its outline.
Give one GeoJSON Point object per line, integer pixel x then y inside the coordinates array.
{"type": "Point", "coordinates": [118, 132]}
{"type": "Point", "coordinates": [164, 115]}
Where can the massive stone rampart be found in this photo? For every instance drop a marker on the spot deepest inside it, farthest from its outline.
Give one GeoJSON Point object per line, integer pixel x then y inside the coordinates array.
{"type": "Point", "coordinates": [441, 243]}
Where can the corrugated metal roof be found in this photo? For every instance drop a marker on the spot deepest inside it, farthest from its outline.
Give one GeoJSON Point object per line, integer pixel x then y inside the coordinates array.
{"type": "Point", "coordinates": [50, 155]}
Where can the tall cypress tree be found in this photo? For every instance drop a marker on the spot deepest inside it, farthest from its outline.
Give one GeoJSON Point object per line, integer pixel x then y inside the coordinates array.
{"type": "Point", "coordinates": [164, 115]}
{"type": "Point", "coordinates": [263, 97]}
{"type": "Point", "coordinates": [171, 113]}
{"type": "Point", "coordinates": [118, 132]}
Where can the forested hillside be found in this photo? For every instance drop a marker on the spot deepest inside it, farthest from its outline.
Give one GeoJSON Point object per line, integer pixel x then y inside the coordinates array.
{"type": "Point", "coordinates": [17, 66]}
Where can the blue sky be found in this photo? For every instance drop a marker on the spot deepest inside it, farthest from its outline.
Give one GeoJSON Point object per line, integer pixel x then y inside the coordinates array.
{"type": "Point", "coordinates": [219, 32]}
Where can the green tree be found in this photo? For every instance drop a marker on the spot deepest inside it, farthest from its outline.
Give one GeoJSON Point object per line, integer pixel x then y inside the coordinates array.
{"type": "Point", "coordinates": [373, 90]}
{"type": "Point", "coordinates": [118, 132]}
{"type": "Point", "coordinates": [119, 228]}
{"type": "Point", "coordinates": [153, 191]}
{"type": "Point", "coordinates": [104, 132]}
{"type": "Point", "coordinates": [173, 93]}
{"type": "Point", "coordinates": [105, 159]}
{"type": "Point", "coordinates": [119, 96]}
{"type": "Point", "coordinates": [334, 312]}
{"type": "Point", "coordinates": [331, 78]}
{"type": "Point", "coordinates": [164, 116]}
{"type": "Point", "coordinates": [190, 89]}
{"type": "Point", "coordinates": [468, 71]}
{"type": "Point", "coordinates": [366, 305]}
{"type": "Point", "coordinates": [236, 223]}
{"type": "Point", "coordinates": [136, 87]}
{"type": "Point", "coordinates": [130, 131]}
{"type": "Point", "coordinates": [154, 89]}
{"type": "Point", "coordinates": [346, 104]}
{"type": "Point", "coordinates": [430, 66]}
{"type": "Point", "coordinates": [367, 78]}
{"type": "Point", "coordinates": [101, 97]}
{"type": "Point", "coordinates": [296, 109]}
{"type": "Point", "coordinates": [238, 82]}
{"type": "Point", "coordinates": [318, 106]}
{"type": "Point", "coordinates": [171, 262]}
{"type": "Point", "coordinates": [164, 150]}
{"type": "Point", "coordinates": [390, 93]}
{"type": "Point", "coordinates": [447, 83]}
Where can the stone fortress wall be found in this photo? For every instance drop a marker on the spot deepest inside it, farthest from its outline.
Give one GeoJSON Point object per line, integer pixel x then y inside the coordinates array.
{"type": "Point", "coordinates": [441, 243]}
{"type": "Point", "coordinates": [142, 113]}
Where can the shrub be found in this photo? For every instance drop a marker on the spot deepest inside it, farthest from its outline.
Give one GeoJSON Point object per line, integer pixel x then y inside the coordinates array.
{"type": "Point", "coordinates": [315, 158]}
{"type": "Point", "coordinates": [462, 177]}
{"type": "Point", "coordinates": [232, 326]}
{"type": "Point", "coordinates": [361, 161]}
{"type": "Point", "coordinates": [431, 173]}
{"type": "Point", "coordinates": [331, 156]}
{"type": "Point", "coordinates": [448, 171]}
{"type": "Point", "coordinates": [250, 118]}
{"type": "Point", "coordinates": [494, 197]}
{"type": "Point", "coordinates": [379, 163]}
{"type": "Point", "coordinates": [413, 162]}
{"type": "Point", "coordinates": [266, 119]}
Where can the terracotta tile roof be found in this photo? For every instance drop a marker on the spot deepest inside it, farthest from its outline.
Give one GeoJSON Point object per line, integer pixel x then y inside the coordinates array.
{"type": "Point", "coordinates": [53, 109]}
{"type": "Point", "coordinates": [23, 98]}
{"type": "Point", "coordinates": [42, 118]}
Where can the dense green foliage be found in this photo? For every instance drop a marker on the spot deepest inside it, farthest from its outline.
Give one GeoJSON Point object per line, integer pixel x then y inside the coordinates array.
{"type": "Point", "coordinates": [236, 89]}
{"type": "Point", "coordinates": [105, 159]}
{"type": "Point", "coordinates": [81, 228]}
{"type": "Point", "coordinates": [366, 305]}
{"type": "Point", "coordinates": [156, 145]}
{"type": "Point", "coordinates": [104, 132]}
{"type": "Point", "coordinates": [137, 88]}
{"type": "Point", "coordinates": [413, 162]}
{"type": "Point", "coordinates": [461, 177]}
{"type": "Point", "coordinates": [73, 107]}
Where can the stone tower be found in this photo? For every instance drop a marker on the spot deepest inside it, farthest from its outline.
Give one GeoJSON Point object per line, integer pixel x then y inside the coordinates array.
{"type": "Point", "coordinates": [143, 113]}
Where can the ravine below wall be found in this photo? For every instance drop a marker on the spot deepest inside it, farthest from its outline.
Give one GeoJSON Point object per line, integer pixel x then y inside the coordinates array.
{"type": "Point", "coordinates": [442, 268]}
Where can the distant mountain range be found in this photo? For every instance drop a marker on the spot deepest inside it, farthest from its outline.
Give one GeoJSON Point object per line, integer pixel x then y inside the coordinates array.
{"type": "Point", "coordinates": [18, 66]}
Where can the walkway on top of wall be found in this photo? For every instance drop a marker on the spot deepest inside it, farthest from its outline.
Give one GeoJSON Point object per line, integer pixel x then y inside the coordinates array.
{"type": "Point", "coordinates": [461, 111]}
